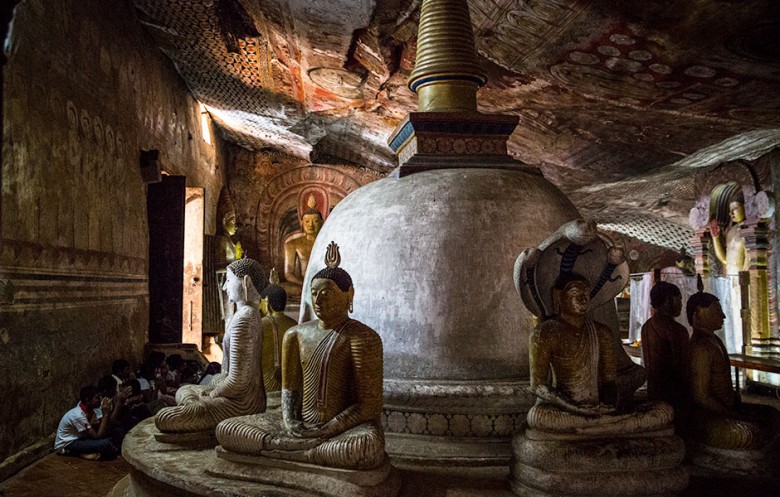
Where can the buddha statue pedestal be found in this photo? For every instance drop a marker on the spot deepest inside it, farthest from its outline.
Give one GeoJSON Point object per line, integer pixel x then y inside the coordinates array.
{"type": "Point", "coordinates": [600, 460]}
{"type": "Point", "coordinates": [382, 481]}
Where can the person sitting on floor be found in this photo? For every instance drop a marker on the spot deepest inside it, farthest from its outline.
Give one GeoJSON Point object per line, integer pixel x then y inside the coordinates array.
{"type": "Point", "coordinates": [76, 435]}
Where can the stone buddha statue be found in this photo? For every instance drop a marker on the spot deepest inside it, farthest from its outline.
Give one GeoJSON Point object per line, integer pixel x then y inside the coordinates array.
{"type": "Point", "coordinates": [331, 389]}
{"type": "Point", "coordinates": [665, 350]}
{"type": "Point", "coordinates": [580, 437]}
{"type": "Point", "coordinates": [573, 371]}
{"type": "Point", "coordinates": [297, 249]}
{"type": "Point", "coordinates": [275, 325]}
{"type": "Point", "coordinates": [719, 421]}
{"type": "Point", "coordinates": [239, 390]}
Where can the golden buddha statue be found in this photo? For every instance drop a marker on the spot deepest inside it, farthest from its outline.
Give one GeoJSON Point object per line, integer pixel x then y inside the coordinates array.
{"type": "Point", "coordinates": [229, 251]}
{"type": "Point", "coordinates": [718, 419]}
{"type": "Point", "coordinates": [275, 325]}
{"type": "Point", "coordinates": [728, 244]}
{"type": "Point", "coordinates": [331, 388]}
{"type": "Point", "coordinates": [573, 371]}
{"type": "Point", "coordinates": [297, 249]}
{"type": "Point", "coordinates": [239, 391]}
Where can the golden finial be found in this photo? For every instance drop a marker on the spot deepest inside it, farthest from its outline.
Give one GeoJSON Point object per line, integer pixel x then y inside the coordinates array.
{"type": "Point", "coordinates": [311, 202]}
{"type": "Point", "coordinates": [446, 75]}
{"type": "Point", "coordinates": [332, 256]}
{"type": "Point", "coordinates": [273, 278]}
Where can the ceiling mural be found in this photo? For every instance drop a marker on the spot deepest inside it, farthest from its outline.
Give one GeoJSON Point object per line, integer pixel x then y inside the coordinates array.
{"type": "Point", "coordinates": [619, 102]}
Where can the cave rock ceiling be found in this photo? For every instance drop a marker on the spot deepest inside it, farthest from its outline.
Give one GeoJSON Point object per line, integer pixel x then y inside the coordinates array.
{"type": "Point", "coordinates": [622, 103]}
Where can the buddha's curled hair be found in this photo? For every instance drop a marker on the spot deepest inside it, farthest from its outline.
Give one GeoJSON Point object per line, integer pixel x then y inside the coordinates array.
{"type": "Point", "coordinates": [249, 267]}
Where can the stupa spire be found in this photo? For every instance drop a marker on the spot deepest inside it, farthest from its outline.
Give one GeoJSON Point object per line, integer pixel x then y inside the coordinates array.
{"type": "Point", "coordinates": [446, 76]}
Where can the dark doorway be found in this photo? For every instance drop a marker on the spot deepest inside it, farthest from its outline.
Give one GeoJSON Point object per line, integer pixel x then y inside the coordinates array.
{"type": "Point", "coordinates": [165, 209]}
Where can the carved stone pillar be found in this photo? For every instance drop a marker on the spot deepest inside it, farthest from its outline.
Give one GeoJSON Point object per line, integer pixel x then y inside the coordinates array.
{"type": "Point", "coordinates": [756, 237]}
{"type": "Point", "coordinates": [701, 243]}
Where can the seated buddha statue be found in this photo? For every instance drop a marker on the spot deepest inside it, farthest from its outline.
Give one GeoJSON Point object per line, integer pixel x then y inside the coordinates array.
{"type": "Point", "coordinates": [573, 371]}
{"type": "Point", "coordinates": [297, 249]}
{"type": "Point", "coordinates": [239, 390]}
{"type": "Point", "coordinates": [275, 325]}
{"type": "Point", "coordinates": [331, 388]}
{"type": "Point", "coordinates": [718, 419]}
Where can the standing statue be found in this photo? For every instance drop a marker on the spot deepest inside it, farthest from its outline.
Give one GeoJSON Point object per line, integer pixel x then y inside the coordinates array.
{"type": "Point", "coordinates": [745, 437]}
{"type": "Point", "coordinates": [665, 350]}
{"type": "Point", "coordinates": [298, 248]}
{"type": "Point", "coordinates": [240, 390]}
{"type": "Point", "coordinates": [728, 243]}
{"type": "Point", "coordinates": [331, 402]}
{"type": "Point", "coordinates": [580, 437]}
{"type": "Point", "coordinates": [275, 325]}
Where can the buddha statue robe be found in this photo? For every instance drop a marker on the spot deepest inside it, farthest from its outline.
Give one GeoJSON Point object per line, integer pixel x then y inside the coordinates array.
{"type": "Point", "coordinates": [717, 419]}
{"type": "Point", "coordinates": [582, 363]}
{"type": "Point", "coordinates": [275, 326]}
{"type": "Point", "coordinates": [331, 401]}
{"type": "Point", "coordinates": [238, 392]}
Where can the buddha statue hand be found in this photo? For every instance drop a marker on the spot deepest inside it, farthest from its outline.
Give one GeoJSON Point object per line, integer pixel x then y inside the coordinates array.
{"type": "Point", "coordinates": [714, 228]}
{"type": "Point", "coordinates": [238, 251]}
{"type": "Point", "coordinates": [559, 399]}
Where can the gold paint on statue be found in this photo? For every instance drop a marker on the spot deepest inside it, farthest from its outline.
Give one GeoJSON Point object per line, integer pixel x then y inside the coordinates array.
{"type": "Point", "coordinates": [275, 324]}
{"type": "Point", "coordinates": [228, 250]}
{"type": "Point", "coordinates": [718, 419]}
{"type": "Point", "coordinates": [331, 388]}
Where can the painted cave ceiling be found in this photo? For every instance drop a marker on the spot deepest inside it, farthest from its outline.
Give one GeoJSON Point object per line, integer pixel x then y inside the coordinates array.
{"type": "Point", "coordinates": [623, 104]}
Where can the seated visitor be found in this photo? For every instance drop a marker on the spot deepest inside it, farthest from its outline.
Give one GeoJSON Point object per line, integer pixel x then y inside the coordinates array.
{"type": "Point", "coordinates": [718, 419]}
{"type": "Point", "coordinates": [275, 325]}
{"type": "Point", "coordinates": [133, 410]}
{"type": "Point", "coordinates": [211, 372]}
{"type": "Point", "coordinates": [665, 350]}
{"type": "Point", "coordinates": [121, 371]}
{"type": "Point", "coordinates": [573, 370]}
{"type": "Point", "coordinates": [76, 435]}
{"type": "Point", "coordinates": [240, 391]}
{"type": "Point", "coordinates": [175, 369]}
{"type": "Point", "coordinates": [331, 387]}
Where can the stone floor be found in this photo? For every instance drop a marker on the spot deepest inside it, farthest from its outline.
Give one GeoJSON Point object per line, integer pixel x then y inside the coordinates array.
{"type": "Point", "coordinates": [56, 476]}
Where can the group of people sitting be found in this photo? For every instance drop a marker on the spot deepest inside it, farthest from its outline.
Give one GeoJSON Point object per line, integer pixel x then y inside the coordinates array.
{"type": "Point", "coordinates": [95, 427]}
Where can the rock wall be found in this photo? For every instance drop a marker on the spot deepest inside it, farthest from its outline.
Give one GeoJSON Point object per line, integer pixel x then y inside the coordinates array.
{"type": "Point", "coordinates": [85, 90]}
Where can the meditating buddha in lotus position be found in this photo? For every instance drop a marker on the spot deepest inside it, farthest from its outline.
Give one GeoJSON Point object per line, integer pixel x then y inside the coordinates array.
{"type": "Point", "coordinates": [239, 390]}
{"type": "Point", "coordinates": [275, 325]}
{"type": "Point", "coordinates": [331, 387]}
{"type": "Point", "coordinates": [719, 419]}
{"type": "Point", "coordinates": [573, 371]}
{"type": "Point", "coordinates": [297, 249]}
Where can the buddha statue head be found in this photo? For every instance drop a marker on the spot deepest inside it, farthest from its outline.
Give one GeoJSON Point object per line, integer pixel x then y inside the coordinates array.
{"type": "Point", "coordinates": [274, 297]}
{"type": "Point", "coordinates": [229, 223]}
{"type": "Point", "coordinates": [737, 209]}
{"type": "Point", "coordinates": [704, 312]}
{"type": "Point", "coordinates": [666, 299]}
{"type": "Point", "coordinates": [244, 281]}
{"type": "Point", "coordinates": [311, 219]}
{"type": "Point", "coordinates": [331, 289]}
{"type": "Point", "coordinates": [571, 295]}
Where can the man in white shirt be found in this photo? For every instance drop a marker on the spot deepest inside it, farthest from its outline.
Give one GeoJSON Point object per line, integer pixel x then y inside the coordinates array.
{"type": "Point", "coordinates": [77, 437]}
